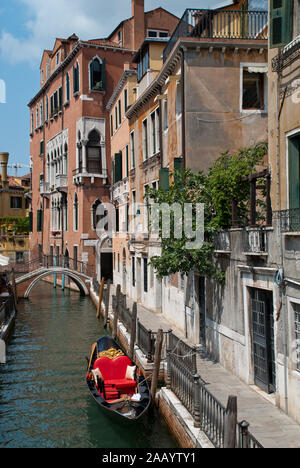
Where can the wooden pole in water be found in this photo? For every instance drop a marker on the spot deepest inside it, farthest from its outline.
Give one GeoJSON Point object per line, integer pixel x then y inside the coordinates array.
{"type": "Point", "coordinates": [100, 298]}
{"type": "Point", "coordinates": [157, 360]}
{"type": "Point", "coordinates": [14, 287]}
{"type": "Point", "coordinates": [231, 423]}
{"type": "Point", "coordinates": [133, 331]}
{"type": "Point", "coordinates": [116, 312]}
{"type": "Point", "coordinates": [107, 299]}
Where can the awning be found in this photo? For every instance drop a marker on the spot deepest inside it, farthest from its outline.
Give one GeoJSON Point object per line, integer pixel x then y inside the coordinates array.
{"type": "Point", "coordinates": [4, 261]}
{"type": "Point", "coordinates": [256, 69]}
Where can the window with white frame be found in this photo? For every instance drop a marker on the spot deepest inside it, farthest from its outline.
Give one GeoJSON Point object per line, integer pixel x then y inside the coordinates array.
{"type": "Point", "coordinates": [178, 99]}
{"type": "Point", "coordinates": [254, 87]}
{"type": "Point", "coordinates": [132, 150]}
{"type": "Point", "coordinates": [296, 308]}
{"type": "Point", "coordinates": [154, 33]}
{"type": "Point", "coordinates": [154, 132]}
{"type": "Point", "coordinates": [145, 140]}
{"type": "Point", "coordinates": [166, 116]}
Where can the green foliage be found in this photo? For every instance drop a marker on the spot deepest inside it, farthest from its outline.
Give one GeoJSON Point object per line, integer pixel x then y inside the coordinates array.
{"type": "Point", "coordinates": [17, 225]}
{"type": "Point", "coordinates": [216, 190]}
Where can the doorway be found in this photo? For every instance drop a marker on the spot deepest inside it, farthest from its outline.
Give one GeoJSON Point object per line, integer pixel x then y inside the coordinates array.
{"type": "Point", "coordinates": [262, 319]}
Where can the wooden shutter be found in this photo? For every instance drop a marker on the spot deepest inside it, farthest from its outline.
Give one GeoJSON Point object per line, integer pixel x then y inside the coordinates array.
{"type": "Point", "coordinates": [164, 179]}
{"type": "Point", "coordinates": [103, 74]}
{"type": "Point", "coordinates": [30, 221]}
{"type": "Point", "coordinates": [294, 173]}
{"type": "Point", "coordinates": [39, 226]}
{"type": "Point", "coordinates": [118, 167]}
{"type": "Point", "coordinates": [178, 167]}
{"type": "Point", "coordinates": [281, 22]}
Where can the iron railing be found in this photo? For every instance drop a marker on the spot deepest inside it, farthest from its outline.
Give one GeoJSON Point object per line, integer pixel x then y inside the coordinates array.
{"type": "Point", "coordinates": [220, 24]}
{"type": "Point", "coordinates": [208, 413]}
{"type": "Point", "coordinates": [289, 220]}
{"type": "Point", "coordinates": [7, 306]}
{"type": "Point", "coordinates": [255, 241]}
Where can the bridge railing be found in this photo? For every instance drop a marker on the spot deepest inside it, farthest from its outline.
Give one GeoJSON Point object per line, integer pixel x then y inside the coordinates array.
{"type": "Point", "coordinates": [61, 261]}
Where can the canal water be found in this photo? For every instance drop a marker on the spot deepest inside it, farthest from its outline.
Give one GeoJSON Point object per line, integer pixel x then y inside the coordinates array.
{"type": "Point", "coordinates": [44, 400]}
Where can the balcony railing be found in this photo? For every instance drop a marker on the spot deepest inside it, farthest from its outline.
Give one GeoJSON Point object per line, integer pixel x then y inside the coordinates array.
{"type": "Point", "coordinates": [222, 242]}
{"type": "Point", "coordinates": [216, 24]}
{"type": "Point", "coordinates": [255, 241]}
{"type": "Point", "coordinates": [61, 181]}
{"type": "Point", "coordinates": [289, 220]}
{"type": "Point", "coordinates": [44, 188]}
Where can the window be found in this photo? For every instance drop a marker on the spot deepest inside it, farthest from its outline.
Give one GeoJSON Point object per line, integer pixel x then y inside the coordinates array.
{"type": "Point", "coordinates": [47, 108]}
{"type": "Point", "coordinates": [19, 257]}
{"type": "Point", "coordinates": [296, 308]}
{"type": "Point", "coordinates": [76, 78]}
{"type": "Point", "coordinates": [294, 174]}
{"type": "Point", "coordinates": [60, 98]}
{"type": "Point", "coordinates": [97, 74]}
{"type": "Point", "coordinates": [281, 19]}
{"type": "Point", "coordinates": [145, 275]}
{"type": "Point", "coordinates": [97, 215]}
{"type": "Point", "coordinates": [94, 160]}
{"type": "Point", "coordinates": [76, 212]}
{"type": "Point", "coordinates": [253, 89]}
{"type": "Point", "coordinates": [16, 203]}
{"type": "Point", "coordinates": [111, 125]}
{"type": "Point", "coordinates": [152, 33]}
{"type": "Point", "coordinates": [32, 122]}
{"type": "Point", "coordinates": [125, 100]}
{"type": "Point", "coordinates": [116, 118]}
{"type": "Point", "coordinates": [68, 87]}
{"type": "Point", "coordinates": [132, 150]}
{"type": "Point", "coordinates": [145, 139]}
{"type": "Point", "coordinates": [143, 64]}
{"type": "Point", "coordinates": [133, 271]}
{"type": "Point", "coordinates": [154, 136]}
{"type": "Point", "coordinates": [37, 118]}
{"type": "Point", "coordinates": [178, 99]}
{"type": "Point", "coordinates": [127, 160]}
{"type": "Point", "coordinates": [118, 167]}
{"type": "Point", "coordinates": [166, 116]}
{"type": "Point", "coordinates": [120, 111]}
{"type": "Point", "coordinates": [57, 58]}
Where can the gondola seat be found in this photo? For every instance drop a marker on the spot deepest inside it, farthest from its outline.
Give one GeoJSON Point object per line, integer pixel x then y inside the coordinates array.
{"type": "Point", "coordinates": [114, 374]}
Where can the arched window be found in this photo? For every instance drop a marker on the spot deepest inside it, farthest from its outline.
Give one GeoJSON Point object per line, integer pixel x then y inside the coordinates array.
{"type": "Point", "coordinates": [65, 160]}
{"type": "Point", "coordinates": [94, 162]}
{"type": "Point", "coordinates": [98, 214]}
{"type": "Point", "coordinates": [97, 74]}
{"type": "Point", "coordinates": [76, 212]}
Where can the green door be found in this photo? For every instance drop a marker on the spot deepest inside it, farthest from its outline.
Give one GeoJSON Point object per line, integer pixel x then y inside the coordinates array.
{"type": "Point", "coordinates": [294, 173]}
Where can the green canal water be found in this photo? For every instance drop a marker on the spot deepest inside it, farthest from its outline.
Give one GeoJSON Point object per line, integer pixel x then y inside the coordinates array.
{"type": "Point", "coordinates": [44, 400]}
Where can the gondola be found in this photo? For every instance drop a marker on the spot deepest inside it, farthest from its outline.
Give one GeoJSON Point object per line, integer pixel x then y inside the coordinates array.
{"type": "Point", "coordinates": [115, 382]}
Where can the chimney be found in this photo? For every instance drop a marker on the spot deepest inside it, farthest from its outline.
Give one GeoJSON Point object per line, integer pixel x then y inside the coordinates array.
{"type": "Point", "coordinates": [138, 13]}
{"type": "Point", "coordinates": [3, 161]}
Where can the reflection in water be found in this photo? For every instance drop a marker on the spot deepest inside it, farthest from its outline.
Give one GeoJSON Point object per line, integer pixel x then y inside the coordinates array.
{"type": "Point", "coordinates": [44, 400]}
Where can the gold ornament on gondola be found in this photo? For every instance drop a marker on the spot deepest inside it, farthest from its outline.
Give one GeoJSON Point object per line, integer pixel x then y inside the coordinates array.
{"type": "Point", "coordinates": [111, 353]}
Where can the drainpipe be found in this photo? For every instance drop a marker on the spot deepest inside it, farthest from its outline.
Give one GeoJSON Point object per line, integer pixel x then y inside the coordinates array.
{"type": "Point", "coordinates": [183, 106]}
{"type": "Point", "coordinates": [161, 140]}
{"type": "Point", "coordinates": [279, 238]}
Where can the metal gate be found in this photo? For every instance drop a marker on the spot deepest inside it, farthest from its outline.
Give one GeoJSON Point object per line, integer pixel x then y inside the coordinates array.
{"type": "Point", "coordinates": [263, 339]}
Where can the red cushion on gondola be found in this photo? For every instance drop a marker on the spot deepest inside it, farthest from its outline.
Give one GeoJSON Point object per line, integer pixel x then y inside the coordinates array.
{"type": "Point", "coordinates": [112, 369]}
{"type": "Point", "coordinates": [120, 384]}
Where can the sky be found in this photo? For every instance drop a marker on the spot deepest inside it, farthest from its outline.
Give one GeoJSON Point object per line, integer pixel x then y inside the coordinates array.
{"type": "Point", "coordinates": [27, 27]}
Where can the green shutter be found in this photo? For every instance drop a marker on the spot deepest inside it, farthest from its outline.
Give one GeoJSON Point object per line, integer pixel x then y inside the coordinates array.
{"type": "Point", "coordinates": [118, 167]}
{"type": "Point", "coordinates": [178, 167]}
{"type": "Point", "coordinates": [281, 22]}
{"type": "Point", "coordinates": [30, 221]}
{"type": "Point", "coordinates": [294, 173]}
{"type": "Point", "coordinates": [39, 227]}
{"type": "Point", "coordinates": [103, 74]}
{"type": "Point", "coordinates": [164, 179]}
{"type": "Point", "coordinates": [127, 161]}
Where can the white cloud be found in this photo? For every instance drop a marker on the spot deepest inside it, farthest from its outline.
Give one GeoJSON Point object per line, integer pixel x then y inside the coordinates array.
{"type": "Point", "coordinates": [57, 18]}
{"type": "Point", "coordinates": [61, 18]}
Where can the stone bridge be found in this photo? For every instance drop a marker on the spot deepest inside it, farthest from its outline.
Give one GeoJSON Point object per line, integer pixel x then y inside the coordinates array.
{"type": "Point", "coordinates": [79, 273]}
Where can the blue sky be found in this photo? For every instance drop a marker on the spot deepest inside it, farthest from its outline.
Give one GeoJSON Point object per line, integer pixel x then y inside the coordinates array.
{"type": "Point", "coordinates": [27, 27]}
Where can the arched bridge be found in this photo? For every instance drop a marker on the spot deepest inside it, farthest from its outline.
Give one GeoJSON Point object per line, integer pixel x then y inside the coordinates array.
{"type": "Point", "coordinates": [80, 273]}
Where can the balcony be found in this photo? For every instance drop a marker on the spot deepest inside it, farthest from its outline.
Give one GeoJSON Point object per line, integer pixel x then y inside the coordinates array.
{"type": "Point", "coordinates": [255, 242]}
{"type": "Point", "coordinates": [222, 243]}
{"type": "Point", "coordinates": [44, 188]}
{"type": "Point", "coordinates": [79, 176]}
{"type": "Point", "coordinates": [61, 182]}
{"type": "Point", "coordinates": [120, 190]}
{"type": "Point", "coordinates": [289, 220]}
{"type": "Point", "coordinates": [216, 24]}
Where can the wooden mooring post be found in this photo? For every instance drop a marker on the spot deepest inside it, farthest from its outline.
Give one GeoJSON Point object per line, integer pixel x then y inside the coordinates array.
{"type": "Point", "coordinates": [100, 298]}
{"type": "Point", "coordinates": [14, 287]}
{"type": "Point", "coordinates": [116, 312]}
{"type": "Point", "coordinates": [231, 423]}
{"type": "Point", "coordinates": [157, 360]}
{"type": "Point", "coordinates": [107, 299]}
{"type": "Point", "coordinates": [133, 331]}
